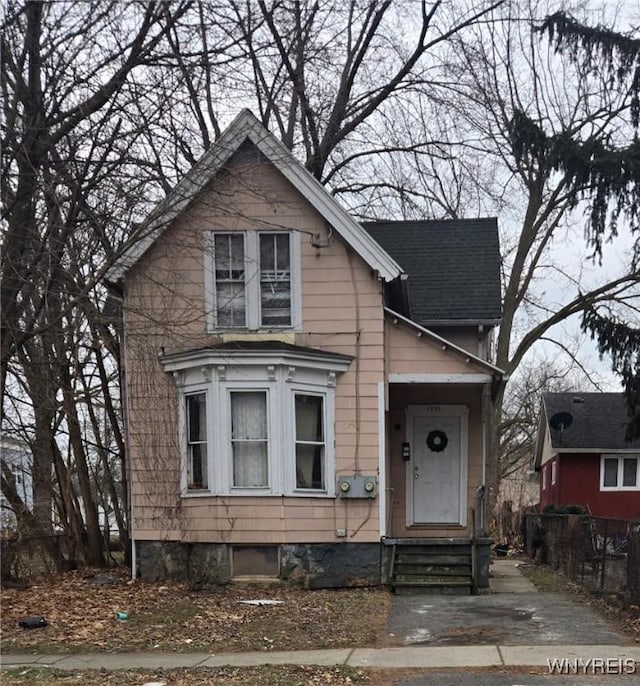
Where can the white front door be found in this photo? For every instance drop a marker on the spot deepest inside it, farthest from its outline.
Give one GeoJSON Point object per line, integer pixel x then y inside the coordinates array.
{"type": "Point", "coordinates": [437, 478]}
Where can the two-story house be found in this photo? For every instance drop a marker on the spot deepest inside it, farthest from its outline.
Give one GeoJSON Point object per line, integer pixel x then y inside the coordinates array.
{"type": "Point", "coordinates": [307, 397]}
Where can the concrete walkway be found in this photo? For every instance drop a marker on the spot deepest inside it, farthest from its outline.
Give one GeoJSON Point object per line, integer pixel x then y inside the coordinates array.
{"type": "Point", "coordinates": [388, 658]}
{"type": "Point", "coordinates": [506, 579]}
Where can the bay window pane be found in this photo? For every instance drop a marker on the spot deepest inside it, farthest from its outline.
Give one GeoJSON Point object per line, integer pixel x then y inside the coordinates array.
{"type": "Point", "coordinates": [630, 472]}
{"type": "Point", "coordinates": [310, 442]}
{"type": "Point", "coordinates": [610, 472]}
{"type": "Point", "coordinates": [249, 439]}
{"type": "Point", "coordinates": [196, 411]}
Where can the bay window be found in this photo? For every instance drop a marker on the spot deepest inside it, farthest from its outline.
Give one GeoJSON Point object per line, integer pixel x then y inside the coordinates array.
{"type": "Point", "coordinates": [257, 421]}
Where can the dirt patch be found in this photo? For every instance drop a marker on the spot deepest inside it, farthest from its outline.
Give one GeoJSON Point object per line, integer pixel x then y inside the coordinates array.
{"type": "Point", "coordinates": [82, 616]}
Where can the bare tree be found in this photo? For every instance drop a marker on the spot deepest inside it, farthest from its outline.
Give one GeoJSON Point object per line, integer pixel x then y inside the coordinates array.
{"type": "Point", "coordinates": [68, 186]}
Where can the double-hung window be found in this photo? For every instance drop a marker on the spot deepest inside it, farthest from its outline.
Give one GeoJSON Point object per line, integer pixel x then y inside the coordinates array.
{"type": "Point", "coordinates": [253, 280]}
{"type": "Point", "coordinates": [229, 271]}
{"type": "Point", "coordinates": [196, 438]}
{"type": "Point", "coordinates": [619, 472]}
{"type": "Point", "coordinates": [310, 442]}
{"type": "Point", "coordinates": [275, 279]}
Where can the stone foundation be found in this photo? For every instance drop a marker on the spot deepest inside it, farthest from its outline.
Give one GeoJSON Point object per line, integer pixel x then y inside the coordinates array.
{"type": "Point", "coordinates": [312, 565]}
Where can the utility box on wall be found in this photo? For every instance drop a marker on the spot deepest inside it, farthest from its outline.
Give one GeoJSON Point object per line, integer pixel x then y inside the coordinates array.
{"type": "Point", "coordinates": [357, 486]}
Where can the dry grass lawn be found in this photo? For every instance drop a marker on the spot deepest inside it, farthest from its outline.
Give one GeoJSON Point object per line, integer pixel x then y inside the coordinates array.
{"type": "Point", "coordinates": [169, 617]}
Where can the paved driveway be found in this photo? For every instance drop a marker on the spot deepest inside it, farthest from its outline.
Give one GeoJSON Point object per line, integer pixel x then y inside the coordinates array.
{"type": "Point", "coordinates": [514, 613]}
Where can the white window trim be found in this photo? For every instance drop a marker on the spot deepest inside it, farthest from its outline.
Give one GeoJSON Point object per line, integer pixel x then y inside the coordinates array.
{"type": "Point", "coordinates": [544, 476]}
{"type": "Point", "coordinates": [620, 458]}
{"type": "Point", "coordinates": [281, 391]}
{"type": "Point", "coordinates": [554, 468]}
{"type": "Point", "coordinates": [252, 281]}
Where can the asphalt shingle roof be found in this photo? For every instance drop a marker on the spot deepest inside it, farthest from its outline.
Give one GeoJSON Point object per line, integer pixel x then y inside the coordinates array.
{"type": "Point", "coordinates": [453, 267]}
{"type": "Point", "coordinates": [599, 420]}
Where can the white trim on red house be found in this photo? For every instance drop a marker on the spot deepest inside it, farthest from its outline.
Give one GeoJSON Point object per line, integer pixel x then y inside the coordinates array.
{"type": "Point", "coordinates": [247, 126]}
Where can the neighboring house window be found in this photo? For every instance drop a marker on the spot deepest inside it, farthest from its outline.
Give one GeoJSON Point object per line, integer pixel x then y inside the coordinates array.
{"type": "Point", "coordinates": [553, 472]}
{"type": "Point", "coordinates": [619, 473]}
{"type": "Point", "coordinates": [544, 477]}
{"type": "Point", "coordinates": [310, 442]}
{"type": "Point", "coordinates": [258, 423]}
{"type": "Point", "coordinates": [196, 437]}
{"type": "Point", "coordinates": [252, 280]}
{"type": "Point", "coordinates": [250, 449]}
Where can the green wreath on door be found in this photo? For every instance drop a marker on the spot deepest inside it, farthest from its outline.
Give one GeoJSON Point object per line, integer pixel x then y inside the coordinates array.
{"type": "Point", "coordinates": [437, 441]}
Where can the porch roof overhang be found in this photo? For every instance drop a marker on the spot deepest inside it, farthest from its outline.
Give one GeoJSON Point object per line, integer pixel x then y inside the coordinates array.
{"type": "Point", "coordinates": [481, 372]}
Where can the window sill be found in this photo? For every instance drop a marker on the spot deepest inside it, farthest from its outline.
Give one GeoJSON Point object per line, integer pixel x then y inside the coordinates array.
{"type": "Point", "coordinates": [619, 489]}
{"type": "Point", "coordinates": [256, 494]}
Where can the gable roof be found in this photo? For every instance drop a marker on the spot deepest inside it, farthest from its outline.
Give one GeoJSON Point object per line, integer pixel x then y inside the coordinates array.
{"type": "Point", "coordinates": [598, 422]}
{"type": "Point", "coordinates": [453, 268]}
{"type": "Point", "coordinates": [246, 127]}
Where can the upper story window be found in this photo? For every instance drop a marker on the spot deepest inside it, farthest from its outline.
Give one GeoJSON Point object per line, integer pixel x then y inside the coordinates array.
{"type": "Point", "coordinates": [619, 473]}
{"type": "Point", "coordinates": [252, 280]}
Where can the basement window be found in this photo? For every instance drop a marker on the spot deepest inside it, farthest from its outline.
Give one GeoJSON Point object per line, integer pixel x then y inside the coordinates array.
{"type": "Point", "coordinates": [255, 560]}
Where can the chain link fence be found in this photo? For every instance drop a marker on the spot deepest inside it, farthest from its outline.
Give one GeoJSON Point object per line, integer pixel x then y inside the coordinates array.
{"type": "Point", "coordinates": [600, 553]}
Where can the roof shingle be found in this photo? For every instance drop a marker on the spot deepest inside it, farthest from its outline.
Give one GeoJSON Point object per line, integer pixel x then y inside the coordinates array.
{"type": "Point", "coordinates": [453, 267]}
{"type": "Point", "coordinates": [599, 421]}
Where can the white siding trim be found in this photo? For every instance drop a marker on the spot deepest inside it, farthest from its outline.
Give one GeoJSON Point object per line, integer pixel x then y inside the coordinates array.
{"type": "Point", "coordinates": [382, 468]}
{"type": "Point", "coordinates": [440, 378]}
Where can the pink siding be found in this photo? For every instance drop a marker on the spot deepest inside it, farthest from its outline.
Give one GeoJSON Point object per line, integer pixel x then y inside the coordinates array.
{"type": "Point", "coordinates": [342, 312]}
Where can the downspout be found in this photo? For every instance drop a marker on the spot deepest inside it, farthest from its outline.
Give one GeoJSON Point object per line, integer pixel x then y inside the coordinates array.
{"type": "Point", "coordinates": [482, 490]}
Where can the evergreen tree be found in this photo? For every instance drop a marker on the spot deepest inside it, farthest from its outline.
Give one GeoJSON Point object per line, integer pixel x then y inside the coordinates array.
{"type": "Point", "coordinates": [604, 167]}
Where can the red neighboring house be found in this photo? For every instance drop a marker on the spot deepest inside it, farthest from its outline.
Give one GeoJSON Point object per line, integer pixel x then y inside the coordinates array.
{"type": "Point", "coordinates": [582, 455]}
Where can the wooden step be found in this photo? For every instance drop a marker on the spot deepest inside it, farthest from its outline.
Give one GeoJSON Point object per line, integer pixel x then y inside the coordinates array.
{"type": "Point", "coordinates": [432, 579]}
{"type": "Point", "coordinates": [439, 570]}
{"type": "Point", "coordinates": [429, 559]}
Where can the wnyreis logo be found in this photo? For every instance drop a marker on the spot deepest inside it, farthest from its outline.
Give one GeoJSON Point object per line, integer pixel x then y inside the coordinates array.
{"type": "Point", "coordinates": [592, 665]}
